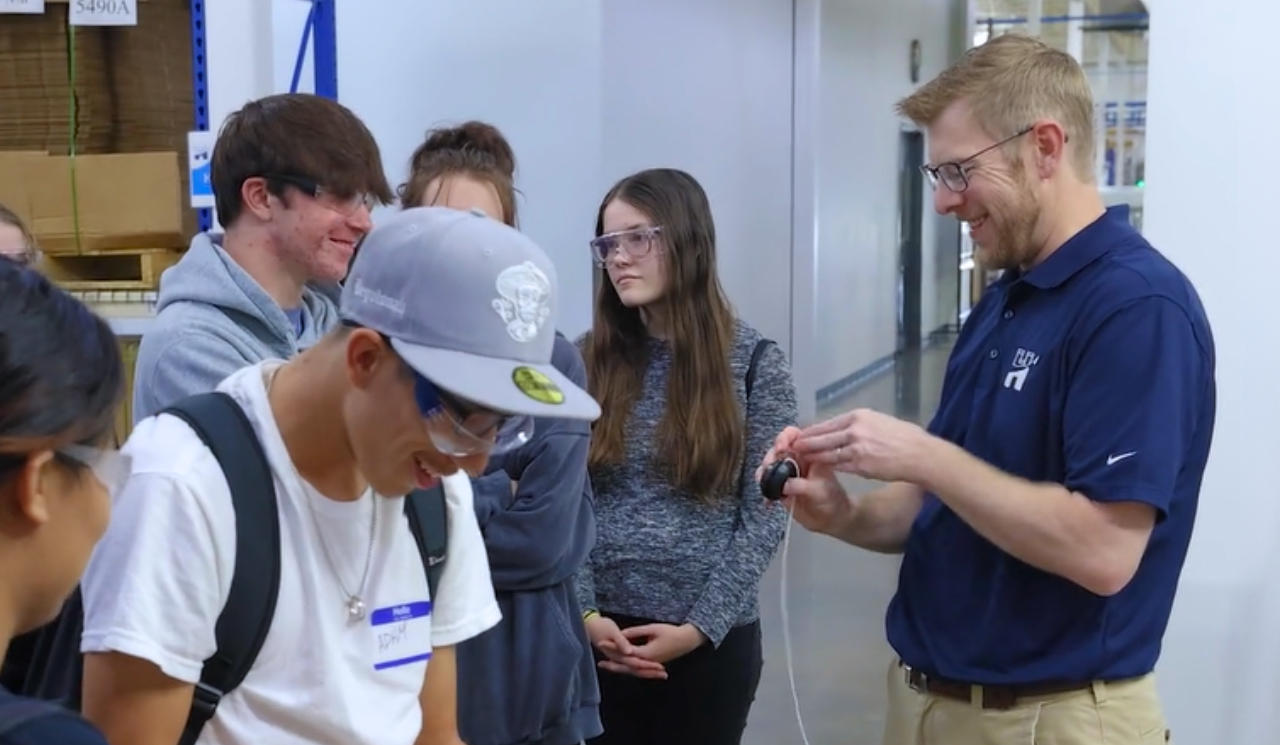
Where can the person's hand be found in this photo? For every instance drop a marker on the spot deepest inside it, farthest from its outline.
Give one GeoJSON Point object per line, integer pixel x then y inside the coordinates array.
{"type": "Point", "coordinates": [867, 443]}
{"type": "Point", "coordinates": [816, 500]}
{"type": "Point", "coordinates": [619, 652]}
{"type": "Point", "coordinates": [664, 642]}
{"type": "Point", "coordinates": [782, 444]}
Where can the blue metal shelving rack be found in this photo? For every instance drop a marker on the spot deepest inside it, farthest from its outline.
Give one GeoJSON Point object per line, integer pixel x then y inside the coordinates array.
{"type": "Point", "coordinates": [200, 79]}
{"type": "Point", "coordinates": [325, 49]}
{"type": "Point", "coordinates": [321, 29]}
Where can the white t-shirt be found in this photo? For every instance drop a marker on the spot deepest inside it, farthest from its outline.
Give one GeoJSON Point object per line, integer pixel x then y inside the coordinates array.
{"type": "Point", "coordinates": [161, 575]}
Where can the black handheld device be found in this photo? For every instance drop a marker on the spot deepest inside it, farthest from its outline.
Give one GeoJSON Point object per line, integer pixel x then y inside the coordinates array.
{"type": "Point", "coordinates": [775, 477]}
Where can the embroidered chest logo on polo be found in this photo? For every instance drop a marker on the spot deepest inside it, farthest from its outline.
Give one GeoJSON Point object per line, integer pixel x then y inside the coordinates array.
{"type": "Point", "coordinates": [1023, 361]}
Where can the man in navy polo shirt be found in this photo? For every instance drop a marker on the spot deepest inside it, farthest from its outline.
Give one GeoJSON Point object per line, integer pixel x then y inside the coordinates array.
{"type": "Point", "coordinates": [1045, 514]}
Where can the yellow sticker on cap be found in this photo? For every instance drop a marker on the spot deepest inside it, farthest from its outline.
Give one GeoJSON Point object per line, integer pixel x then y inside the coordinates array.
{"type": "Point", "coordinates": [537, 386]}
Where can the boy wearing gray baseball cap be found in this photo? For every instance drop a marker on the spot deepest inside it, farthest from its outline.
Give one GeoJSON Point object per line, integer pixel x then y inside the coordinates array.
{"type": "Point", "coordinates": [444, 357]}
{"type": "Point", "coordinates": [469, 303]}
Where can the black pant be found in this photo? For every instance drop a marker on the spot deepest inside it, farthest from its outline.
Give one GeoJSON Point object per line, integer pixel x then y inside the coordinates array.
{"type": "Point", "coordinates": [704, 700]}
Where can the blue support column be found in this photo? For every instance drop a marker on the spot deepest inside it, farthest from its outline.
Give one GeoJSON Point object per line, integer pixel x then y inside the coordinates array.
{"type": "Point", "coordinates": [200, 79]}
{"type": "Point", "coordinates": [325, 51]}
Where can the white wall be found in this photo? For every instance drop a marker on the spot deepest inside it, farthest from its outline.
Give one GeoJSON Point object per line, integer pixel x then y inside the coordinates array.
{"type": "Point", "coordinates": [864, 69]}
{"type": "Point", "coordinates": [586, 100]}
{"type": "Point", "coordinates": [705, 86]}
{"type": "Point", "coordinates": [1210, 208]}
{"type": "Point", "coordinates": [288, 19]}
{"type": "Point", "coordinates": [589, 91]}
{"type": "Point", "coordinates": [532, 69]}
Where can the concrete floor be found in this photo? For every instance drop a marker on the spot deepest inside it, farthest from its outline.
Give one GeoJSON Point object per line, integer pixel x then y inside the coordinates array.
{"type": "Point", "coordinates": [836, 599]}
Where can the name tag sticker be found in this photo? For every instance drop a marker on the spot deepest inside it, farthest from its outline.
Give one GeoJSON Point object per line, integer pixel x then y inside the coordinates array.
{"type": "Point", "coordinates": [401, 634]}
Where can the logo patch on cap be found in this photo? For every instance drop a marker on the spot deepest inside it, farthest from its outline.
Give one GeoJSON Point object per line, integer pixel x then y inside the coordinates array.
{"type": "Point", "coordinates": [537, 386]}
{"type": "Point", "coordinates": [524, 300]}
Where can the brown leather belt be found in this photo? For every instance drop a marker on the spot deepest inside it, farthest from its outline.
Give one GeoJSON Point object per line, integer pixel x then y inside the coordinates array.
{"type": "Point", "coordinates": [993, 697]}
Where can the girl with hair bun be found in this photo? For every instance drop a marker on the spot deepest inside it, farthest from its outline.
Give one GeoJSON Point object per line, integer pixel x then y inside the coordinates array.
{"type": "Point", "coordinates": [470, 166]}
{"type": "Point", "coordinates": [531, 680]}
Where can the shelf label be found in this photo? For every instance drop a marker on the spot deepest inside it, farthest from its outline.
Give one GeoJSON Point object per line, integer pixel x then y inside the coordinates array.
{"type": "Point", "coordinates": [34, 7]}
{"type": "Point", "coordinates": [199, 151]}
{"type": "Point", "coordinates": [104, 12]}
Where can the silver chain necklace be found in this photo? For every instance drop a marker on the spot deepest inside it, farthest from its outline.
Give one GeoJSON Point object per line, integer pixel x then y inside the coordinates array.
{"type": "Point", "coordinates": [355, 602]}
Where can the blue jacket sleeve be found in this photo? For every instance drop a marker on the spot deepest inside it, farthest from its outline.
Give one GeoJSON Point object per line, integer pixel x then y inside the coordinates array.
{"type": "Point", "coordinates": [735, 582]}
{"type": "Point", "coordinates": [492, 492]}
{"type": "Point", "coordinates": [540, 535]}
{"type": "Point", "coordinates": [61, 727]}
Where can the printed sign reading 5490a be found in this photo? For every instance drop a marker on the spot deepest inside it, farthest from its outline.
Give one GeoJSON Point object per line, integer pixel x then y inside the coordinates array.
{"type": "Point", "coordinates": [104, 13]}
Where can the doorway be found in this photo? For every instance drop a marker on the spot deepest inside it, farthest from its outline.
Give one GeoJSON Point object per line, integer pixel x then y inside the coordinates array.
{"type": "Point", "coordinates": [910, 240]}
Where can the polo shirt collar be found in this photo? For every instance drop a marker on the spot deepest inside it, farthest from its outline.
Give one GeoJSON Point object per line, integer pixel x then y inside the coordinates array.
{"type": "Point", "coordinates": [1080, 250]}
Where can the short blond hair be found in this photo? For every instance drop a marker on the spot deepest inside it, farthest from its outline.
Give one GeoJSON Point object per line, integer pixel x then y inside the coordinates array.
{"type": "Point", "coordinates": [1008, 83]}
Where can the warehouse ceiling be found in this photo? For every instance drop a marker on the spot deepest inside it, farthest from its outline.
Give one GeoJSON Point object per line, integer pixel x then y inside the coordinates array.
{"type": "Point", "coordinates": [1127, 35]}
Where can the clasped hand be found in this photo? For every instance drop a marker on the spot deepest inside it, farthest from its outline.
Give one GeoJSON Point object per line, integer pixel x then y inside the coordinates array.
{"type": "Point", "coordinates": [642, 651]}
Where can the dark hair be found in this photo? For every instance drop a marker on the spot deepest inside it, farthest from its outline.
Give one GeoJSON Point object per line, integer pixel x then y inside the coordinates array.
{"type": "Point", "coordinates": [702, 434]}
{"type": "Point", "coordinates": [61, 375]}
{"type": "Point", "coordinates": [295, 135]}
{"type": "Point", "coordinates": [475, 149]}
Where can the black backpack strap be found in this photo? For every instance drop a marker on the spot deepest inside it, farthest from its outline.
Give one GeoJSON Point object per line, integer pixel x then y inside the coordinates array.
{"type": "Point", "coordinates": [251, 605]}
{"type": "Point", "coordinates": [16, 712]}
{"type": "Point", "coordinates": [429, 520]}
{"type": "Point", "coordinates": [756, 354]}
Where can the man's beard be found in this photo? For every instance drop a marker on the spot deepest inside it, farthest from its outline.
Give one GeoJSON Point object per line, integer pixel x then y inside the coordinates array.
{"type": "Point", "coordinates": [1015, 227]}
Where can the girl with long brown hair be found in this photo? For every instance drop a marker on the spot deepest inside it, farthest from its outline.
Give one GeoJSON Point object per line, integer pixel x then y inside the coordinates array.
{"type": "Point", "coordinates": [692, 397]}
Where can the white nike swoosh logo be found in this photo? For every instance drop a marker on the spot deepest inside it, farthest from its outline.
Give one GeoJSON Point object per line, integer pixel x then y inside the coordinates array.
{"type": "Point", "coordinates": [1114, 459]}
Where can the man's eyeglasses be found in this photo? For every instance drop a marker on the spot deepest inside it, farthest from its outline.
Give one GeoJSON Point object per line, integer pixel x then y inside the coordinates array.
{"type": "Point", "coordinates": [954, 174]}
{"type": "Point", "coordinates": [327, 198]}
{"type": "Point", "coordinates": [471, 429]}
{"type": "Point", "coordinates": [636, 243]}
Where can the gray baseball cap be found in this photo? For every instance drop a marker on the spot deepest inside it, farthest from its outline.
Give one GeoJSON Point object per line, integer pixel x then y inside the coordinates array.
{"type": "Point", "coordinates": [470, 304]}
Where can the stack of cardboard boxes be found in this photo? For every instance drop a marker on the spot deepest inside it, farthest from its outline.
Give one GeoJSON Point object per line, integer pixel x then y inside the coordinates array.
{"type": "Point", "coordinates": [93, 125]}
{"type": "Point", "coordinates": [93, 128]}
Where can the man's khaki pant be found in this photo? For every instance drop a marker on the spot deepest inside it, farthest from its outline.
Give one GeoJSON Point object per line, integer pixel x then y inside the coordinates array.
{"type": "Point", "coordinates": [1126, 713]}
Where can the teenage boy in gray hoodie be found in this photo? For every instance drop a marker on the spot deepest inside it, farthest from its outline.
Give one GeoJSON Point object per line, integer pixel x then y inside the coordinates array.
{"type": "Point", "coordinates": [294, 177]}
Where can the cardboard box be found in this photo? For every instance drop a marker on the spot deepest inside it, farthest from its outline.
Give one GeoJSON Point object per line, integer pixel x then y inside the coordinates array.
{"type": "Point", "coordinates": [133, 85]}
{"type": "Point", "coordinates": [125, 202]}
{"type": "Point", "coordinates": [13, 187]}
{"type": "Point", "coordinates": [134, 97]}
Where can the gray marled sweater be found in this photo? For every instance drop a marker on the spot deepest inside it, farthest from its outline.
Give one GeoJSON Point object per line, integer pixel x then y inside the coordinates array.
{"type": "Point", "coordinates": [661, 553]}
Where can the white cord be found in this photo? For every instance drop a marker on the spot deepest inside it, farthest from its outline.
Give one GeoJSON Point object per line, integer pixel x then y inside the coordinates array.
{"type": "Point", "coordinates": [786, 627]}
